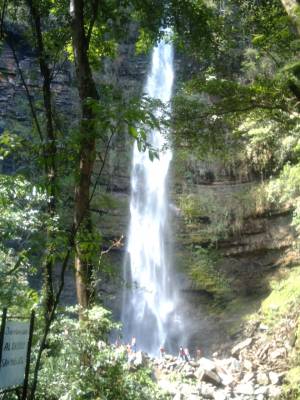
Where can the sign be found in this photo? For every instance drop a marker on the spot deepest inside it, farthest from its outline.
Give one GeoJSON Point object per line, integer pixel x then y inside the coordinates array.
{"type": "Point", "coordinates": [14, 353]}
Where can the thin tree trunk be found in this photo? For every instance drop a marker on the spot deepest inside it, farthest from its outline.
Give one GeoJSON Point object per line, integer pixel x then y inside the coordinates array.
{"type": "Point", "coordinates": [87, 92]}
{"type": "Point", "coordinates": [50, 153]}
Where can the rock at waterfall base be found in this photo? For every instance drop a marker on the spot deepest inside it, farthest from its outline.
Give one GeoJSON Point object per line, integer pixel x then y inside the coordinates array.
{"type": "Point", "coordinates": [240, 346]}
{"type": "Point", "coordinates": [208, 376]}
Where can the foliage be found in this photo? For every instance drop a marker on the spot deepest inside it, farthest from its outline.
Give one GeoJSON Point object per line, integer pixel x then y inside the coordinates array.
{"type": "Point", "coordinates": [20, 220]}
{"type": "Point", "coordinates": [292, 384]}
{"type": "Point", "coordinates": [15, 292]}
{"type": "Point", "coordinates": [83, 366]}
{"type": "Point", "coordinates": [20, 206]}
{"type": "Point", "coordinates": [283, 301]}
{"type": "Point", "coordinates": [284, 294]}
{"type": "Point", "coordinates": [284, 191]}
{"type": "Point", "coordinates": [248, 114]}
{"type": "Point", "coordinates": [205, 273]}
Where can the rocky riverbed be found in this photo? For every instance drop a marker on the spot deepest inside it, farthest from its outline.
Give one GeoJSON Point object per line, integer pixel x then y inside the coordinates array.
{"type": "Point", "coordinates": [217, 378]}
{"type": "Point", "coordinates": [254, 369]}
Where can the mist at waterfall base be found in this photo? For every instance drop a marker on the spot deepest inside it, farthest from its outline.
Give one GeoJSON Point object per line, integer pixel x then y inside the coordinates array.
{"type": "Point", "coordinates": [149, 309]}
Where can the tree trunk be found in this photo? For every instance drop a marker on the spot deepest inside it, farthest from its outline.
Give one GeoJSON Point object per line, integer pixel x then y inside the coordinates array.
{"type": "Point", "coordinates": [49, 154]}
{"type": "Point", "coordinates": [87, 91]}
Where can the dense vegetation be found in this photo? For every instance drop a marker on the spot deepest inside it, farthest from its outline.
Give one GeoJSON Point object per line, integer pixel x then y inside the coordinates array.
{"type": "Point", "coordinates": [239, 107]}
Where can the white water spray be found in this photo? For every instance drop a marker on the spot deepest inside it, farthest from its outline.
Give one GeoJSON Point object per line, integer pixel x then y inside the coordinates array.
{"type": "Point", "coordinates": [149, 301]}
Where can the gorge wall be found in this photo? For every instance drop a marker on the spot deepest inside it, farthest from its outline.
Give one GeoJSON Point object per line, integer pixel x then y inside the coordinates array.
{"type": "Point", "coordinates": [206, 200]}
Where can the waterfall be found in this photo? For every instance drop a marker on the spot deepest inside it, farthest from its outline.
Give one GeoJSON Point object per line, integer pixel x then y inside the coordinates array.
{"type": "Point", "coordinates": [149, 299]}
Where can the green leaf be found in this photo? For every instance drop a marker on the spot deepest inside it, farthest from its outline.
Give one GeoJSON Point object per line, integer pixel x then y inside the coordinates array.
{"type": "Point", "coordinates": [133, 132]}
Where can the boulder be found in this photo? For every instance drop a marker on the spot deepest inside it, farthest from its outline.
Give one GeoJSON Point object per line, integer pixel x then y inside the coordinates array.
{"type": "Point", "coordinates": [240, 346]}
{"type": "Point", "coordinates": [189, 375]}
{"type": "Point", "coordinates": [207, 391]}
{"type": "Point", "coordinates": [220, 395]}
{"type": "Point", "coordinates": [178, 396]}
{"type": "Point", "coordinates": [248, 365]}
{"type": "Point", "coordinates": [274, 392]}
{"type": "Point", "coordinates": [263, 327]}
{"type": "Point", "coordinates": [274, 378]}
{"type": "Point", "coordinates": [234, 365]}
{"type": "Point", "coordinates": [248, 377]}
{"type": "Point", "coordinates": [168, 386]}
{"type": "Point", "coordinates": [194, 364]}
{"type": "Point", "coordinates": [187, 390]}
{"type": "Point", "coordinates": [278, 353]}
{"type": "Point", "coordinates": [208, 376]}
{"type": "Point", "coordinates": [168, 357]}
{"type": "Point", "coordinates": [207, 364]}
{"type": "Point", "coordinates": [245, 388]}
{"type": "Point", "coordinates": [261, 390]}
{"type": "Point", "coordinates": [262, 378]}
{"type": "Point", "coordinates": [226, 378]}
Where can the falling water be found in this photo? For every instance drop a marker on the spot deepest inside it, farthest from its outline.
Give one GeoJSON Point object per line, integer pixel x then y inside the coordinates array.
{"type": "Point", "coordinates": [149, 300]}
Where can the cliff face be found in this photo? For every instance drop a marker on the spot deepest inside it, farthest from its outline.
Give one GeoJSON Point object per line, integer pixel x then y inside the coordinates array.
{"type": "Point", "coordinates": [205, 200]}
{"type": "Point", "coordinates": [251, 238]}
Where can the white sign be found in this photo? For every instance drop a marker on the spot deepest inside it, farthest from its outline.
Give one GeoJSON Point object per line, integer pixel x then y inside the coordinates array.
{"type": "Point", "coordinates": [14, 352]}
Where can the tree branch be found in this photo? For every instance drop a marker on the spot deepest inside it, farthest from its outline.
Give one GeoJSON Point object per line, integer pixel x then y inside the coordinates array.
{"type": "Point", "coordinates": [102, 167]}
{"type": "Point", "coordinates": [93, 20]}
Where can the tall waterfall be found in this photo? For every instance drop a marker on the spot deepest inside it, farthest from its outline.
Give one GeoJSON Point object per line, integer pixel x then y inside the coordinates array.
{"type": "Point", "coordinates": [149, 300]}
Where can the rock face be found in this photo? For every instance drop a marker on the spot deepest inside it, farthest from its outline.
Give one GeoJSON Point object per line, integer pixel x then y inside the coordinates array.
{"type": "Point", "coordinates": [210, 203]}
{"type": "Point", "coordinates": [260, 242]}
{"type": "Point", "coordinates": [249, 239]}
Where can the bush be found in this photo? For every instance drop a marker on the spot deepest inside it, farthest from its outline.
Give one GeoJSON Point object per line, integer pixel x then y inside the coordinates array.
{"type": "Point", "coordinates": [80, 364]}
